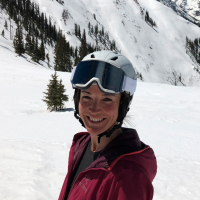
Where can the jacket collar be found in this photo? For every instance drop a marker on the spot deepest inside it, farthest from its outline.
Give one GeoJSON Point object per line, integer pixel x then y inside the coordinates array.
{"type": "Point", "coordinates": [123, 144]}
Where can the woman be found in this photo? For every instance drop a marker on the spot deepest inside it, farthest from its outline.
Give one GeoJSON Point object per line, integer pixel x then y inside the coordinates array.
{"type": "Point", "coordinates": [108, 161]}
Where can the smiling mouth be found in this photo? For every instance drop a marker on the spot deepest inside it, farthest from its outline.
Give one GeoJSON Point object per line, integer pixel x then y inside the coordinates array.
{"type": "Point", "coordinates": [95, 120]}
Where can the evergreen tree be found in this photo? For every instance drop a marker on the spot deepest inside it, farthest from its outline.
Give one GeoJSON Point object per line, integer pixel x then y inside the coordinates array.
{"type": "Point", "coordinates": [52, 95]}
{"type": "Point", "coordinates": [28, 45]}
{"type": "Point", "coordinates": [62, 55]}
{"type": "Point", "coordinates": [2, 33]}
{"type": "Point", "coordinates": [55, 96]}
{"type": "Point", "coordinates": [102, 31]}
{"type": "Point", "coordinates": [32, 45]}
{"type": "Point", "coordinates": [92, 29]}
{"type": "Point", "coordinates": [83, 47]}
{"type": "Point", "coordinates": [113, 45]}
{"type": "Point", "coordinates": [79, 31]}
{"type": "Point", "coordinates": [36, 56]}
{"type": "Point", "coordinates": [18, 41]}
{"type": "Point", "coordinates": [96, 30]}
{"type": "Point", "coordinates": [196, 43]}
{"type": "Point", "coordinates": [89, 25]}
{"type": "Point", "coordinates": [6, 25]}
{"type": "Point", "coordinates": [42, 50]}
{"type": "Point", "coordinates": [48, 59]}
{"type": "Point", "coordinates": [75, 29]}
{"type": "Point", "coordinates": [147, 16]}
{"type": "Point", "coordinates": [76, 58]}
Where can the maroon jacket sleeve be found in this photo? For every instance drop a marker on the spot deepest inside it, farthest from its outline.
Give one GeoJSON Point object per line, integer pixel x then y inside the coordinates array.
{"type": "Point", "coordinates": [127, 181]}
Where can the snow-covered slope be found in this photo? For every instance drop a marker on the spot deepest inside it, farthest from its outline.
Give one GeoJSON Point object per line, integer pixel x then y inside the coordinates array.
{"type": "Point", "coordinates": [155, 52]}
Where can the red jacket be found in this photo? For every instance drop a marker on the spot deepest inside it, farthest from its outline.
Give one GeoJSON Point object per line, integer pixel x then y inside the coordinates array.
{"type": "Point", "coordinates": [124, 170]}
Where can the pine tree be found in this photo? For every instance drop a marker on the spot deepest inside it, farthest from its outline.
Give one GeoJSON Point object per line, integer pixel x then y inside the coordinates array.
{"type": "Point", "coordinates": [79, 31]}
{"type": "Point", "coordinates": [83, 47]}
{"type": "Point", "coordinates": [102, 31]}
{"type": "Point", "coordinates": [42, 50]}
{"type": "Point", "coordinates": [2, 33]}
{"type": "Point", "coordinates": [75, 29]}
{"type": "Point", "coordinates": [55, 96]}
{"type": "Point", "coordinates": [28, 45]}
{"type": "Point", "coordinates": [18, 41]}
{"type": "Point", "coordinates": [89, 25]}
{"type": "Point", "coordinates": [32, 45]}
{"type": "Point", "coordinates": [6, 25]}
{"type": "Point", "coordinates": [48, 59]}
{"type": "Point", "coordinates": [76, 58]}
{"type": "Point", "coordinates": [92, 29]}
{"type": "Point", "coordinates": [36, 56]}
{"type": "Point", "coordinates": [62, 55]}
{"type": "Point", "coordinates": [52, 95]}
{"type": "Point", "coordinates": [96, 30]}
{"type": "Point", "coordinates": [147, 16]}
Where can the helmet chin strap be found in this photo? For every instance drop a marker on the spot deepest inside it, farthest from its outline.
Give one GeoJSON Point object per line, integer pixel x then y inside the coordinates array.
{"type": "Point", "coordinates": [108, 134]}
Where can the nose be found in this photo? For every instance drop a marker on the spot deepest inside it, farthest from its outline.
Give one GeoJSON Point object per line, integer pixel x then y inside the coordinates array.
{"type": "Point", "coordinates": [94, 106]}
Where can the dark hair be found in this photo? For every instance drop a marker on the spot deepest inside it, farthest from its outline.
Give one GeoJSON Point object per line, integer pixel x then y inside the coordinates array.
{"type": "Point", "coordinates": [123, 106]}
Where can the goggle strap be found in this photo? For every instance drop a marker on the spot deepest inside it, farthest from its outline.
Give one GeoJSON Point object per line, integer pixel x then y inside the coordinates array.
{"type": "Point", "coordinates": [72, 74]}
{"type": "Point", "coordinates": [129, 84]}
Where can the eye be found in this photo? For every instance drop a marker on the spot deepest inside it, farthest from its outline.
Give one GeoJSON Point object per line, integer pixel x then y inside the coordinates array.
{"type": "Point", "coordinates": [85, 98]}
{"type": "Point", "coordinates": [107, 99]}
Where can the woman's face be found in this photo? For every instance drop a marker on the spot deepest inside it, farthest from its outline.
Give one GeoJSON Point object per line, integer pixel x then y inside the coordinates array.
{"type": "Point", "coordinates": [99, 111]}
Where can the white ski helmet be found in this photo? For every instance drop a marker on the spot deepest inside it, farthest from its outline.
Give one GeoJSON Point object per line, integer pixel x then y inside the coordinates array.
{"type": "Point", "coordinates": [112, 72]}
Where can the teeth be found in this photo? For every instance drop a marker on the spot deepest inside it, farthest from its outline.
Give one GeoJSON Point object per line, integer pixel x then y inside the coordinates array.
{"type": "Point", "coordinates": [96, 120]}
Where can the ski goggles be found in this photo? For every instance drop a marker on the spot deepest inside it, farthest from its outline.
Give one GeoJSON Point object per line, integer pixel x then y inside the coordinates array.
{"type": "Point", "coordinates": [110, 78]}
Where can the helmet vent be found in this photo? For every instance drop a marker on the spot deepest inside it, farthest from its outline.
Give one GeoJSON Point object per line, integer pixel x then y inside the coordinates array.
{"type": "Point", "coordinates": [92, 56]}
{"type": "Point", "coordinates": [115, 58]}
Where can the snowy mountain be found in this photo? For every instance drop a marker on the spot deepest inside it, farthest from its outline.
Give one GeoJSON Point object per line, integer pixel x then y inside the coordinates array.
{"type": "Point", "coordinates": [158, 53]}
{"type": "Point", "coordinates": [189, 9]}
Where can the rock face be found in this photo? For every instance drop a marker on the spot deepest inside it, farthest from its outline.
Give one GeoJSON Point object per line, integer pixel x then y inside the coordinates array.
{"type": "Point", "coordinates": [187, 8]}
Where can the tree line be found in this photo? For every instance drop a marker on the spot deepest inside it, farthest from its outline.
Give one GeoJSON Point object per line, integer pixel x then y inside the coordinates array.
{"type": "Point", "coordinates": [35, 31]}
{"type": "Point", "coordinates": [27, 14]}
{"type": "Point", "coordinates": [193, 48]}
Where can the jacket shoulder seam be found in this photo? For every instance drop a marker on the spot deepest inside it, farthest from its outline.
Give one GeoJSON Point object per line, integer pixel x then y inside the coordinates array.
{"type": "Point", "coordinates": [128, 154]}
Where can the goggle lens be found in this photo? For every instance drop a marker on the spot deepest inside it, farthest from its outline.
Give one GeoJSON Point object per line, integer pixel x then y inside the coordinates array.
{"type": "Point", "coordinates": [110, 76]}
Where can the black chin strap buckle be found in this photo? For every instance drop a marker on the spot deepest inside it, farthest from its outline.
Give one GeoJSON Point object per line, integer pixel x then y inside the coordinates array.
{"type": "Point", "coordinates": [108, 134]}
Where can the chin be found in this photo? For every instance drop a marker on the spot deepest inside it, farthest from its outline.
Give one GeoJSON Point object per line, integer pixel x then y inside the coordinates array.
{"type": "Point", "coordinates": [95, 131]}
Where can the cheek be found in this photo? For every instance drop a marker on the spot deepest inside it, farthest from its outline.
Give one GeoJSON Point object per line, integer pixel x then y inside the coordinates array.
{"type": "Point", "coordinates": [112, 111]}
{"type": "Point", "coordinates": [83, 107]}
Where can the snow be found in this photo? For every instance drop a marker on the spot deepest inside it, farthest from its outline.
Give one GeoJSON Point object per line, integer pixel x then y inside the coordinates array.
{"type": "Point", "coordinates": [34, 143]}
